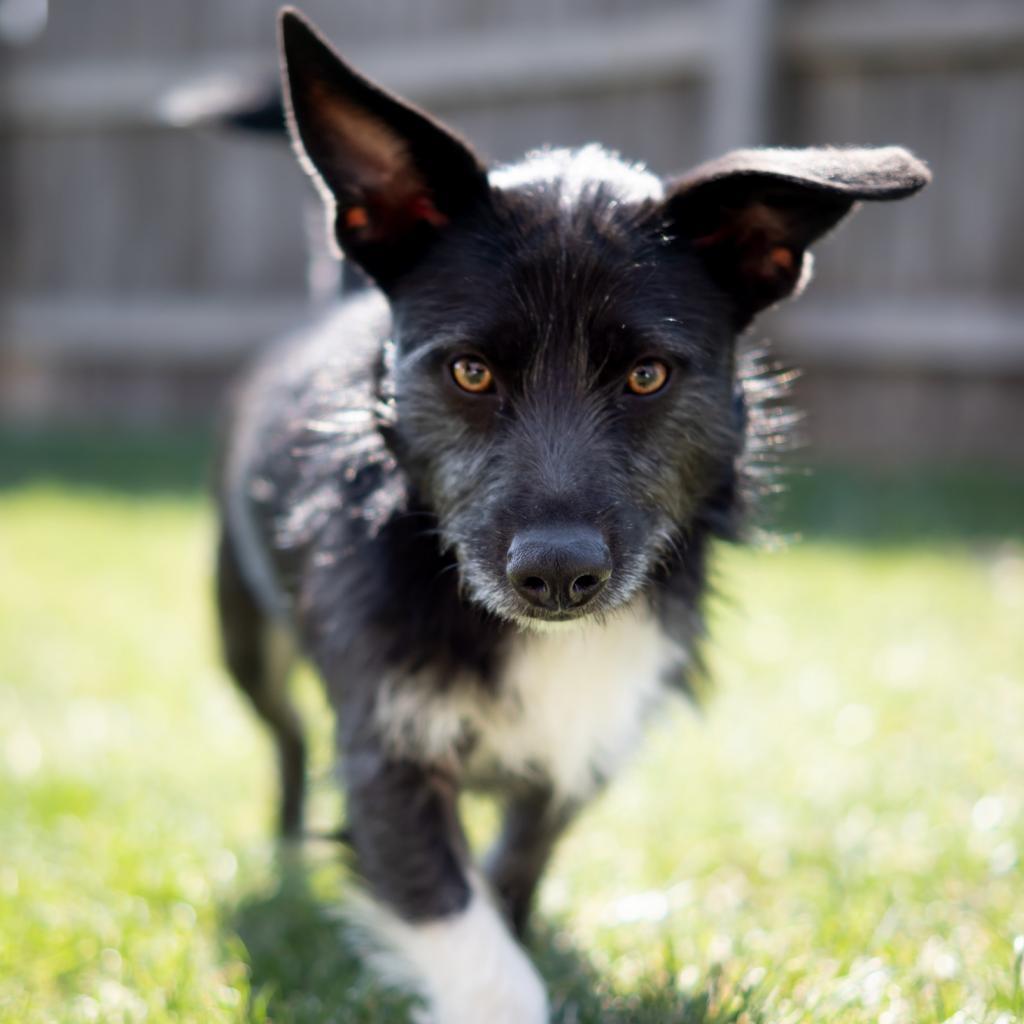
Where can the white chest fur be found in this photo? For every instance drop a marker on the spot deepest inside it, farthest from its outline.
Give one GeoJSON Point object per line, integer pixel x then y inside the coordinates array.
{"type": "Point", "coordinates": [570, 705]}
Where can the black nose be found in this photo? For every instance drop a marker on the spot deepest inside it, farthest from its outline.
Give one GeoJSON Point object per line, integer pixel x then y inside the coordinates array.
{"type": "Point", "coordinates": [559, 568]}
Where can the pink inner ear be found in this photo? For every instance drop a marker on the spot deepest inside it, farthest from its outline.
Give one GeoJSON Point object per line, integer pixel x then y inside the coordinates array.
{"type": "Point", "coordinates": [356, 217]}
{"type": "Point", "coordinates": [755, 226]}
{"type": "Point", "coordinates": [422, 207]}
{"type": "Point", "coordinates": [388, 215]}
{"type": "Point", "coordinates": [756, 237]}
{"type": "Point", "coordinates": [776, 265]}
{"type": "Point", "coordinates": [379, 166]}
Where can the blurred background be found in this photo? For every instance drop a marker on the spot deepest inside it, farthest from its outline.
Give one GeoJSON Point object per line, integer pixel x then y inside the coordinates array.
{"type": "Point", "coordinates": [838, 840]}
{"type": "Point", "coordinates": [143, 260]}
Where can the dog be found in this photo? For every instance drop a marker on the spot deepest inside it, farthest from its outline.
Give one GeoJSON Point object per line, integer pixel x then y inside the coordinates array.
{"type": "Point", "coordinates": [481, 495]}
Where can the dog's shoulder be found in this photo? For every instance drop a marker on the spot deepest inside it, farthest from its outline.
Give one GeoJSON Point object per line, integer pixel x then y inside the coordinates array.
{"type": "Point", "coordinates": [303, 430]}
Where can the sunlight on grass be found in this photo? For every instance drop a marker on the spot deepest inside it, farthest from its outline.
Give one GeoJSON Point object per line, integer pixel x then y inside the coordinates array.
{"type": "Point", "coordinates": [836, 837]}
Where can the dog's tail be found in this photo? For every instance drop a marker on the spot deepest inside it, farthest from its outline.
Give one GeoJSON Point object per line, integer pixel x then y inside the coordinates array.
{"type": "Point", "coordinates": [247, 101]}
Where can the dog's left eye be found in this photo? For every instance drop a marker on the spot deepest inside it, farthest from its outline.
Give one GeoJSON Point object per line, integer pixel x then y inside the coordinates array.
{"type": "Point", "coordinates": [647, 377]}
{"type": "Point", "coordinates": [472, 375]}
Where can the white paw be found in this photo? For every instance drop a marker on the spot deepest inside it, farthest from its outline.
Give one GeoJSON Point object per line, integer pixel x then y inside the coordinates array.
{"type": "Point", "coordinates": [515, 996]}
{"type": "Point", "coordinates": [467, 967]}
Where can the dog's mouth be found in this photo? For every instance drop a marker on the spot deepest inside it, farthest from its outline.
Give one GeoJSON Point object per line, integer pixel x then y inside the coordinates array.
{"type": "Point", "coordinates": [535, 618]}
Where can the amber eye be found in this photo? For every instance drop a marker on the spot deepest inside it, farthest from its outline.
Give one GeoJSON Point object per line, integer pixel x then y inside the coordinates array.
{"type": "Point", "coordinates": [647, 377]}
{"type": "Point", "coordinates": [472, 375]}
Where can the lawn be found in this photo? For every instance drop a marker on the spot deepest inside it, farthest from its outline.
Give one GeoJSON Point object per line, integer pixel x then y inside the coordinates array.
{"type": "Point", "coordinates": [835, 838]}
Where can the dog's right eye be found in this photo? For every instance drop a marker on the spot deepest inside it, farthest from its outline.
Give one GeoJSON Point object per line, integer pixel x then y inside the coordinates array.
{"type": "Point", "coordinates": [647, 377]}
{"type": "Point", "coordinates": [472, 375]}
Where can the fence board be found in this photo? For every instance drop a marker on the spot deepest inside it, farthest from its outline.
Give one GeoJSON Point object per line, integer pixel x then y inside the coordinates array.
{"type": "Point", "coordinates": [122, 225]}
{"type": "Point", "coordinates": [887, 334]}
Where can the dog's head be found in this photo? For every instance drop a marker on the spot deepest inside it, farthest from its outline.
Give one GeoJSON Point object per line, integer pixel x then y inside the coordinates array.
{"type": "Point", "coordinates": [563, 349]}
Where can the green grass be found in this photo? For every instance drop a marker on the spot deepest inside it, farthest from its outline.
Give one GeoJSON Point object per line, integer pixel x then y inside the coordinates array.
{"type": "Point", "coordinates": [836, 838]}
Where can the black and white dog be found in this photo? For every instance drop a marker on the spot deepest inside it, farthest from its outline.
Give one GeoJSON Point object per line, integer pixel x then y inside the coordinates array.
{"type": "Point", "coordinates": [481, 496]}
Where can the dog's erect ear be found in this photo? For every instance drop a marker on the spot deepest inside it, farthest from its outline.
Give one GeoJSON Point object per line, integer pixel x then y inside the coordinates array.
{"type": "Point", "coordinates": [752, 214]}
{"type": "Point", "coordinates": [392, 177]}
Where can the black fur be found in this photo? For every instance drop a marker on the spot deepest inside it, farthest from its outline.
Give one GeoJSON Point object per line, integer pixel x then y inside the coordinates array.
{"type": "Point", "coordinates": [371, 503]}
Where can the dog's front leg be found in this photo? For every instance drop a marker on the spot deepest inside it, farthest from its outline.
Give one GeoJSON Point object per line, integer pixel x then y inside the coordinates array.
{"type": "Point", "coordinates": [534, 820]}
{"type": "Point", "coordinates": [436, 928]}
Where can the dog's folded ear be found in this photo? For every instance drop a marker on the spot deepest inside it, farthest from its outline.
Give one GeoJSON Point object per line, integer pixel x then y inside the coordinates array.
{"type": "Point", "coordinates": [752, 214]}
{"type": "Point", "coordinates": [391, 176]}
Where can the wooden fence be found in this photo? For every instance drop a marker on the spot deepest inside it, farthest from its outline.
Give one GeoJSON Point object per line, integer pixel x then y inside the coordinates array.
{"type": "Point", "coordinates": [132, 243]}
